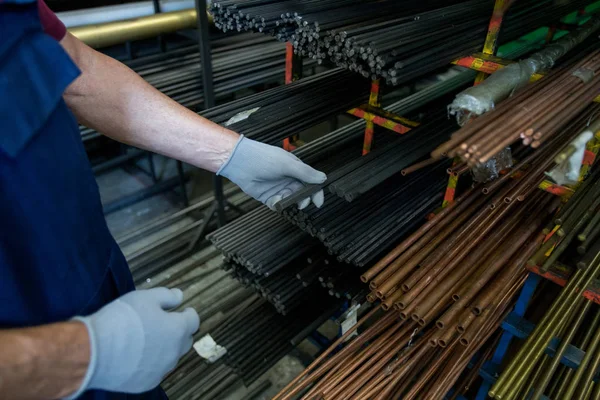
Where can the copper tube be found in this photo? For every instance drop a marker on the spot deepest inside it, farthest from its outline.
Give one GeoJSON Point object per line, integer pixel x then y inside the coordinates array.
{"type": "Point", "coordinates": [435, 310]}
{"type": "Point", "coordinates": [457, 207]}
{"type": "Point", "coordinates": [410, 259]}
{"type": "Point", "coordinates": [418, 166]}
{"type": "Point", "coordinates": [447, 276]}
{"type": "Point", "coordinates": [465, 320]}
{"type": "Point", "coordinates": [486, 297]}
{"type": "Point", "coordinates": [391, 299]}
{"type": "Point", "coordinates": [295, 386]}
{"type": "Point", "coordinates": [407, 353]}
{"type": "Point", "coordinates": [421, 352]}
{"type": "Point", "coordinates": [425, 244]}
{"type": "Point", "coordinates": [385, 350]}
{"type": "Point", "coordinates": [431, 370]}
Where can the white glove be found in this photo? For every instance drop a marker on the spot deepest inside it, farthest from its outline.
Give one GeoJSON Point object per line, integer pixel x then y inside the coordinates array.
{"type": "Point", "coordinates": [135, 341]}
{"type": "Point", "coordinates": [269, 173]}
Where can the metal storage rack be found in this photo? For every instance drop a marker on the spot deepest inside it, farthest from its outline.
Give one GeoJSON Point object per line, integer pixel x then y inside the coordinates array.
{"type": "Point", "coordinates": [485, 62]}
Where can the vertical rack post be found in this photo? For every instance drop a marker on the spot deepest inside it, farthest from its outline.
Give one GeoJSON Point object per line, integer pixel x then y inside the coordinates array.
{"type": "Point", "coordinates": [490, 46]}
{"type": "Point", "coordinates": [492, 366]}
{"type": "Point", "coordinates": [491, 40]}
{"type": "Point", "coordinates": [209, 96]}
{"type": "Point", "coordinates": [370, 126]}
{"type": "Point", "coordinates": [293, 72]}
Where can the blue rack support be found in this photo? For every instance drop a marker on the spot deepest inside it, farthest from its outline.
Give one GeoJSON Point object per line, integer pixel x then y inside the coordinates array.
{"type": "Point", "coordinates": [489, 371]}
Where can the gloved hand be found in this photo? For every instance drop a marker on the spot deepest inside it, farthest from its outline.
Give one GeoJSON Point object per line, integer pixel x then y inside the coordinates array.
{"type": "Point", "coordinates": [135, 341]}
{"type": "Point", "coordinates": [269, 173]}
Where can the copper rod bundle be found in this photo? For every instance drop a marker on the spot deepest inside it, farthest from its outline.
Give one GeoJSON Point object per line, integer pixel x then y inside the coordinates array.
{"type": "Point", "coordinates": [535, 114]}
{"type": "Point", "coordinates": [469, 250]}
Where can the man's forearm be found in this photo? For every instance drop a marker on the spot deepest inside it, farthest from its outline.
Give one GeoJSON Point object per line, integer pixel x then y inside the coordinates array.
{"type": "Point", "coordinates": [114, 100]}
{"type": "Point", "coordinates": [45, 362]}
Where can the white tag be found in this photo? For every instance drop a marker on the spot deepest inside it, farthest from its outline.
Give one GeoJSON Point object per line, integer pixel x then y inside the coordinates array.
{"type": "Point", "coordinates": [350, 321]}
{"type": "Point", "coordinates": [208, 349]}
{"type": "Point", "coordinates": [241, 116]}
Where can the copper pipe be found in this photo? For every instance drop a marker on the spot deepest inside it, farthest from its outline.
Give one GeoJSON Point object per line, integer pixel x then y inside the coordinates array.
{"type": "Point", "coordinates": [418, 166]}
{"type": "Point", "coordinates": [385, 352]}
{"type": "Point", "coordinates": [445, 222]}
{"type": "Point", "coordinates": [295, 386]}
{"type": "Point", "coordinates": [456, 207]}
{"type": "Point", "coordinates": [411, 258]}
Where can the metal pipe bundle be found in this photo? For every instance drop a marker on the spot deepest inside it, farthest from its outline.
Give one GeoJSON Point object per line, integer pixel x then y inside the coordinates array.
{"type": "Point", "coordinates": [306, 277]}
{"type": "Point", "coordinates": [258, 337]}
{"type": "Point", "coordinates": [278, 113]}
{"type": "Point", "coordinates": [376, 39]}
{"type": "Point", "coordinates": [392, 155]}
{"type": "Point", "coordinates": [358, 232]}
{"type": "Point", "coordinates": [531, 371]}
{"type": "Point", "coordinates": [397, 41]}
{"type": "Point", "coordinates": [394, 358]}
{"type": "Point", "coordinates": [535, 115]}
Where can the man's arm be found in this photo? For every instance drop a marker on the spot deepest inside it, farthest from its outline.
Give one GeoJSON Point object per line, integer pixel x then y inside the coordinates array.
{"type": "Point", "coordinates": [46, 362]}
{"type": "Point", "coordinates": [111, 98]}
{"type": "Point", "coordinates": [114, 100]}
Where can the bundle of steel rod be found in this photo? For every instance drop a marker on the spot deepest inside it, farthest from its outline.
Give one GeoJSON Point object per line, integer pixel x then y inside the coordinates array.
{"type": "Point", "coordinates": [257, 337]}
{"type": "Point", "coordinates": [394, 40]}
{"type": "Point", "coordinates": [394, 358]}
{"type": "Point", "coordinates": [575, 228]}
{"type": "Point", "coordinates": [392, 155]}
{"type": "Point", "coordinates": [358, 232]}
{"type": "Point", "coordinates": [573, 319]}
{"type": "Point", "coordinates": [373, 39]}
{"type": "Point", "coordinates": [288, 288]}
{"type": "Point", "coordinates": [278, 113]}
{"type": "Point", "coordinates": [535, 115]}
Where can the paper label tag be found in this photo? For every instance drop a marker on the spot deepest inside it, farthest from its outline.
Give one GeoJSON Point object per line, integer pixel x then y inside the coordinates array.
{"type": "Point", "coordinates": [350, 321]}
{"type": "Point", "coordinates": [241, 116]}
{"type": "Point", "coordinates": [208, 349]}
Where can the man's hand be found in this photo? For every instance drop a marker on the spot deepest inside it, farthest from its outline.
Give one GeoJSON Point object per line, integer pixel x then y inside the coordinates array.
{"type": "Point", "coordinates": [135, 341]}
{"type": "Point", "coordinates": [269, 173]}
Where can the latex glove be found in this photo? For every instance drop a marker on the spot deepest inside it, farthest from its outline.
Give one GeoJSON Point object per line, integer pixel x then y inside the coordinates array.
{"type": "Point", "coordinates": [269, 173]}
{"type": "Point", "coordinates": [135, 341]}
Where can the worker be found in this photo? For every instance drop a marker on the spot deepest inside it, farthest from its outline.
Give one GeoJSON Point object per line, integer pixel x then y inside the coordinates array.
{"type": "Point", "coordinates": [71, 323]}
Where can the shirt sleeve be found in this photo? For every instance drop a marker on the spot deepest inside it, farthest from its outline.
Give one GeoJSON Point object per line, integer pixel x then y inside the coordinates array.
{"type": "Point", "coordinates": [50, 22]}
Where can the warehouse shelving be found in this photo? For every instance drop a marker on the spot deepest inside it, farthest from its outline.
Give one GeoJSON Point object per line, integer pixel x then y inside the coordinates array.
{"type": "Point", "coordinates": [485, 63]}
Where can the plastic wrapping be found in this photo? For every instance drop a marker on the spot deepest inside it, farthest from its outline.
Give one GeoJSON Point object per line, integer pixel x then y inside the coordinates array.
{"type": "Point", "coordinates": [491, 169]}
{"type": "Point", "coordinates": [585, 74]}
{"type": "Point", "coordinates": [567, 172]}
{"type": "Point", "coordinates": [482, 98]}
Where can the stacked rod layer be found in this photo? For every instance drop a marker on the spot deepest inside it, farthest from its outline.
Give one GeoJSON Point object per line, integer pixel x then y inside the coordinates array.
{"type": "Point", "coordinates": [530, 370]}
{"type": "Point", "coordinates": [257, 337]}
{"type": "Point", "coordinates": [391, 156]}
{"type": "Point", "coordinates": [358, 232]}
{"type": "Point", "coordinates": [534, 115]}
{"type": "Point", "coordinates": [385, 39]}
{"type": "Point", "coordinates": [288, 288]}
{"type": "Point", "coordinates": [394, 358]}
{"type": "Point", "coordinates": [278, 113]}
{"type": "Point", "coordinates": [239, 62]}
